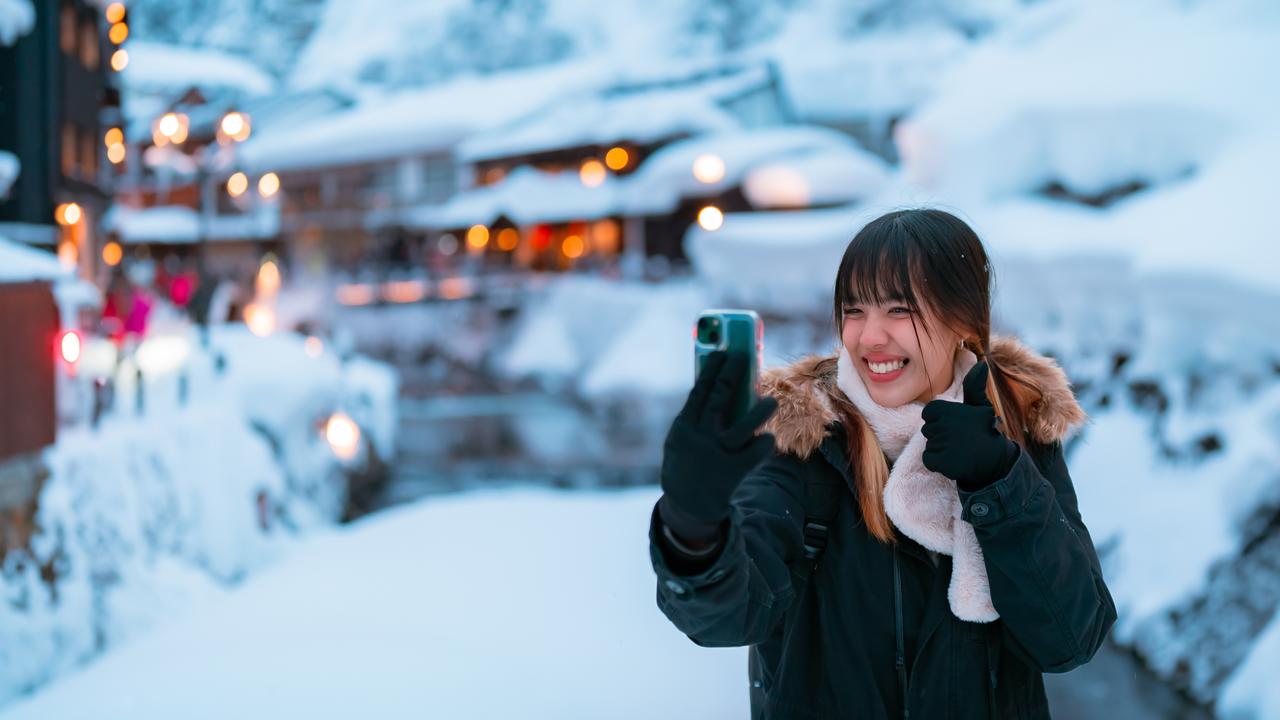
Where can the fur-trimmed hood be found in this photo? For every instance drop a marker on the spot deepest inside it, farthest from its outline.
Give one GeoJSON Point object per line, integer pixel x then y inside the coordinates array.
{"type": "Point", "coordinates": [807, 394]}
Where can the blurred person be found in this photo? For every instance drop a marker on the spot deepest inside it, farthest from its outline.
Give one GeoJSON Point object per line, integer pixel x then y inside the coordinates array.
{"type": "Point", "coordinates": [892, 529]}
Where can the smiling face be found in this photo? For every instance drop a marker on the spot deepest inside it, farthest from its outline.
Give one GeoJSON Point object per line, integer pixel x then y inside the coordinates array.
{"type": "Point", "coordinates": [900, 355]}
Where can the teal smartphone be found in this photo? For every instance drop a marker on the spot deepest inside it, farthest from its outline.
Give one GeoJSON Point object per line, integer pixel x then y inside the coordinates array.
{"type": "Point", "coordinates": [732, 331]}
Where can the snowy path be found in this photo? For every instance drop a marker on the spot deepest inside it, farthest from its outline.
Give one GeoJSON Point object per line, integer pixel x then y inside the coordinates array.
{"type": "Point", "coordinates": [519, 604]}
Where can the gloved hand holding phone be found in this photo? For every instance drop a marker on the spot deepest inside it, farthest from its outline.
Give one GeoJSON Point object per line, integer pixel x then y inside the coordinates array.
{"type": "Point", "coordinates": [708, 451]}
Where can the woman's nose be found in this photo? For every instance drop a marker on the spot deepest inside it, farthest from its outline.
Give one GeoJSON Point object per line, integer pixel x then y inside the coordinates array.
{"type": "Point", "coordinates": [873, 333]}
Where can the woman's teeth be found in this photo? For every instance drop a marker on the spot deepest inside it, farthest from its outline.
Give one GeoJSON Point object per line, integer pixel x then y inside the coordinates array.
{"type": "Point", "coordinates": [888, 367]}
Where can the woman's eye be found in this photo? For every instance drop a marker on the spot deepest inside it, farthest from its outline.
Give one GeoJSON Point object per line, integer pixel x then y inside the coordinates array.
{"type": "Point", "coordinates": [901, 310]}
{"type": "Point", "coordinates": [851, 311]}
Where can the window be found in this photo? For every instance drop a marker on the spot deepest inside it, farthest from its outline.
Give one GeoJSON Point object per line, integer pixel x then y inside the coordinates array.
{"type": "Point", "coordinates": [89, 55]}
{"type": "Point", "coordinates": [67, 29]}
{"type": "Point", "coordinates": [438, 180]}
{"type": "Point", "coordinates": [88, 155]}
{"type": "Point", "coordinates": [69, 148]}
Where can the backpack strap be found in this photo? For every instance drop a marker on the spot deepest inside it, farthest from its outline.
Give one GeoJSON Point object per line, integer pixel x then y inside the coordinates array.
{"type": "Point", "coordinates": [822, 493]}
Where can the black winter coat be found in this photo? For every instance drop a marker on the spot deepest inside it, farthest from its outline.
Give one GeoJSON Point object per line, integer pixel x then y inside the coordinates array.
{"type": "Point", "coordinates": [826, 646]}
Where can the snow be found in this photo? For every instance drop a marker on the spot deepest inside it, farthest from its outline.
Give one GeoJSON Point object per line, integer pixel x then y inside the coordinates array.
{"type": "Point", "coordinates": [360, 623]}
{"type": "Point", "coordinates": [1032, 105]}
{"type": "Point", "coordinates": [775, 261]}
{"type": "Point", "coordinates": [156, 511]}
{"type": "Point", "coordinates": [594, 117]}
{"type": "Point", "coordinates": [9, 168]}
{"type": "Point", "coordinates": [390, 125]}
{"type": "Point", "coordinates": [784, 166]}
{"type": "Point", "coordinates": [157, 67]}
{"type": "Point", "coordinates": [874, 76]}
{"type": "Point", "coordinates": [160, 224]}
{"type": "Point", "coordinates": [19, 263]}
{"type": "Point", "coordinates": [525, 196]}
{"type": "Point", "coordinates": [667, 176]}
{"type": "Point", "coordinates": [16, 19]}
{"type": "Point", "coordinates": [1252, 692]}
{"type": "Point", "coordinates": [651, 354]}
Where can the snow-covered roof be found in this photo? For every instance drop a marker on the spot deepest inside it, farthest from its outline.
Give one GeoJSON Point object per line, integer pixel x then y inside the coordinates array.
{"type": "Point", "coordinates": [159, 67]}
{"type": "Point", "coordinates": [16, 19]}
{"type": "Point", "coordinates": [525, 196]}
{"type": "Point", "coordinates": [177, 224]}
{"type": "Point", "coordinates": [778, 167]}
{"type": "Point", "coordinates": [641, 115]}
{"type": "Point", "coordinates": [1061, 95]}
{"type": "Point", "coordinates": [20, 263]}
{"type": "Point", "coordinates": [417, 121]}
{"type": "Point", "coordinates": [658, 185]}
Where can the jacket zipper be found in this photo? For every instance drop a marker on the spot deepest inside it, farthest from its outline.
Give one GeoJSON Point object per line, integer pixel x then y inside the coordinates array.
{"type": "Point", "coordinates": [900, 662]}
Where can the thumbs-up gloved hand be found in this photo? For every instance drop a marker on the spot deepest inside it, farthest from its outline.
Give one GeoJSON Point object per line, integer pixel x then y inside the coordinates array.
{"type": "Point", "coordinates": [961, 439]}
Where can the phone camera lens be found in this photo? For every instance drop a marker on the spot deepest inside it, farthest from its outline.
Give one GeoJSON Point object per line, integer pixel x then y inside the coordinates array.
{"type": "Point", "coordinates": [713, 336]}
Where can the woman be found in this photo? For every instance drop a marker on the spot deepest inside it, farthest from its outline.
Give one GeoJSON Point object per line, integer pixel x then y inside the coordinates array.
{"type": "Point", "coordinates": [950, 567]}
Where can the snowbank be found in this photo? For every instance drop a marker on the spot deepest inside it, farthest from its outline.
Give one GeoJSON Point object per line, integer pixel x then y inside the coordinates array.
{"type": "Point", "coordinates": [1061, 95]}
{"type": "Point", "coordinates": [1252, 692]}
{"type": "Point", "coordinates": [362, 623]}
{"type": "Point", "coordinates": [159, 510]}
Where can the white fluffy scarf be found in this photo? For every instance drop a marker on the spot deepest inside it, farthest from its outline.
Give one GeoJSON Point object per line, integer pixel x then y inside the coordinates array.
{"type": "Point", "coordinates": [925, 505]}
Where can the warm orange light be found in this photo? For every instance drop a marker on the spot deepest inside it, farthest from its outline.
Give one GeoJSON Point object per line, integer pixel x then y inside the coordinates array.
{"type": "Point", "coordinates": [68, 214]}
{"type": "Point", "coordinates": [120, 60]}
{"type": "Point", "coordinates": [592, 173]}
{"type": "Point", "coordinates": [68, 255]}
{"type": "Point", "coordinates": [710, 218]}
{"type": "Point", "coordinates": [314, 346]}
{"type": "Point", "coordinates": [115, 12]}
{"type": "Point", "coordinates": [268, 283]}
{"type": "Point", "coordinates": [404, 291]}
{"type": "Point", "coordinates": [119, 33]}
{"type": "Point", "coordinates": [617, 158]}
{"type": "Point", "coordinates": [508, 239]}
{"type": "Point", "coordinates": [112, 253]}
{"type": "Point", "coordinates": [477, 237]}
{"type": "Point", "coordinates": [454, 288]}
{"type": "Point", "coordinates": [237, 184]}
{"type": "Point", "coordinates": [235, 125]}
{"type": "Point", "coordinates": [69, 346]}
{"type": "Point", "coordinates": [114, 136]}
{"type": "Point", "coordinates": [116, 154]}
{"type": "Point", "coordinates": [708, 168]}
{"type": "Point", "coordinates": [268, 185]}
{"type": "Point", "coordinates": [343, 435]}
{"type": "Point", "coordinates": [572, 247]}
{"type": "Point", "coordinates": [605, 235]}
{"type": "Point", "coordinates": [355, 294]}
{"type": "Point", "coordinates": [169, 124]}
{"type": "Point", "coordinates": [260, 318]}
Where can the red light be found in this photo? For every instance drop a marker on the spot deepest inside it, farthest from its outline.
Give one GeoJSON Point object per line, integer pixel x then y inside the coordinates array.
{"type": "Point", "coordinates": [541, 238]}
{"type": "Point", "coordinates": [69, 346]}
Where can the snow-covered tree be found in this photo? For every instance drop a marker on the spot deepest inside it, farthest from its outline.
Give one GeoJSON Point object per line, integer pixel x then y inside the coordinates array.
{"type": "Point", "coordinates": [728, 25]}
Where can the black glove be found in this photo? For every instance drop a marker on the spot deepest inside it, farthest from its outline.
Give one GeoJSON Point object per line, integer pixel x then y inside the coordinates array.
{"type": "Point", "coordinates": [961, 440]}
{"type": "Point", "coordinates": [705, 456]}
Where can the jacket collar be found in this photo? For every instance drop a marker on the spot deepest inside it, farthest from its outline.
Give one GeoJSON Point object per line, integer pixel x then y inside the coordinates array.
{"type": "Point", "coordinates": [808, 397]}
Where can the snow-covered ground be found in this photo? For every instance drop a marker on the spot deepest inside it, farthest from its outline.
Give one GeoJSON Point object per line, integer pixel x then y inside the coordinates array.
{"type": "Point", "coordinates": [517, 604]}
{"type": "Point", "coordinates": [160, 507]}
